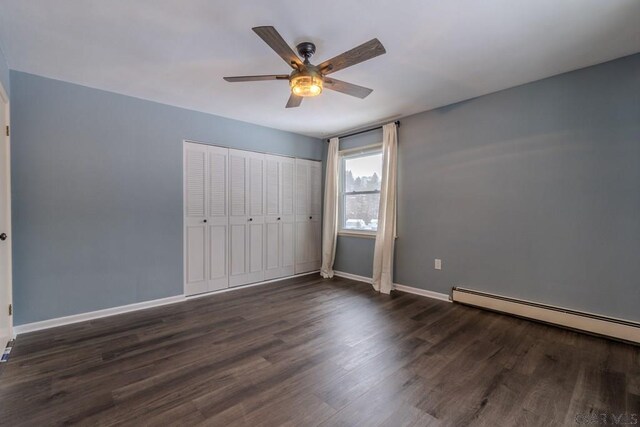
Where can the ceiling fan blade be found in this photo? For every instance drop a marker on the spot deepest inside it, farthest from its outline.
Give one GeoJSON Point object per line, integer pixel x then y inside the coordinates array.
{"type": "Point", "coordinates": [294, 101]}
{"type": "Point", "coordinates": [277, 43]}
{"type": "Point", "coordinates": [359, 54]}
{"type": "Point", "coordinates": [257, 78]}
{"type": "Point", "coordinates": [347, 88]}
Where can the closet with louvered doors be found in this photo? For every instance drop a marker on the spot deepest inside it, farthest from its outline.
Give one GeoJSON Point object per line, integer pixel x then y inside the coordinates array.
{"type": "Point", "coordinates": [248, 217]}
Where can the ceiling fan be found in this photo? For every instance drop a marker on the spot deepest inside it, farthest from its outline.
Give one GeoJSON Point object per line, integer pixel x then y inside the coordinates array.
{"type": "Point", "coordinates": [307, 79]}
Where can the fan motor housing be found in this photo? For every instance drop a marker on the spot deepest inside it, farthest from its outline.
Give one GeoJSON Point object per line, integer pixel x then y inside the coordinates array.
{"type": "Point", "coordinates": [306, 49]}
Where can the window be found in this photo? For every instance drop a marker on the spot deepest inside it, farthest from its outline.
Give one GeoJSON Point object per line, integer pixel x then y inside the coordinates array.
{"type": "Point", "coordinates": [360, 174]}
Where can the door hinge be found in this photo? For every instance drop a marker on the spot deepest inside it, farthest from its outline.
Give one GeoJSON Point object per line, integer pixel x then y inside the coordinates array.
{"type": "Point", "coordinates": [7, 130]}
{"type": "Point", "coordinates": [10, 309]}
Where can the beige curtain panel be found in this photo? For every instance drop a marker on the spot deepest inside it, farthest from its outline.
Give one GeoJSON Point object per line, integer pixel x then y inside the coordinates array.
{"type": "Point", "coordinates": [385, 236]}
{"type": "Point", "coordinates": [330, 213]}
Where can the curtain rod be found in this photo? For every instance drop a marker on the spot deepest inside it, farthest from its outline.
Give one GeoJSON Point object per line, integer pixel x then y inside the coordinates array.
{"type": "Point", "coordinates": [397, 122]}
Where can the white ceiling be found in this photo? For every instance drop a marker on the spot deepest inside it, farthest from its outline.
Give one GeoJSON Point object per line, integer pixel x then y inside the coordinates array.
{"type": "Point", "coordinates": [438, 52]}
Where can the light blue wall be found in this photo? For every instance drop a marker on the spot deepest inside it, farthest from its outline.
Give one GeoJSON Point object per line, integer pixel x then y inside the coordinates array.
{"type": "Point", "coordinates": [97, 193]}
{"type": "Point", "coordinates": [4, 73]}
{"type": "Point", "coordinates": [531, 192]}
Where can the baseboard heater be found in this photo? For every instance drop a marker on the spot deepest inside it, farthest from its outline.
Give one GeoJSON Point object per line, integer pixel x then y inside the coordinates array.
{"type": "Point", "coordinates": [591, 323]}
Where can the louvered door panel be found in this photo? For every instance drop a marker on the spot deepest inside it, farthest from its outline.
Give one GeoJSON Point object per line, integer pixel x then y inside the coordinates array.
{"type": "Point", "coordinates": [287, 222]}
{"type": "Point", "coordinates": [196, 250]}
{"type": "Point", "coordinates": [239, 163]}
{"type": "Point", "coordinates": [287, 168]}
{"type": "Point", "coordinates": [301, 215]}
{"type": "Point", "coordinates": [302, 188]}
{"type": "Point", "coordinates": [238, 252]}
{"type": "Point", "coordinates": [273, 217]}
{"type": "Point", "coordinates": [218, 259]}
{"type": "Point", "coordinates": [196, 257]}
{"type": "Point", "coordinates": [272, 249]}
{"type": "Point", "coordinates": [315, 184]}
{"type": "Point", "coordinates": [288, 248]}
{"type": "Point", "coordinates": [279, 221]}
{"type": "Point", "coordinates": [255, 242]}
{"type": "Point", "coordinates": [272, 186]}
{"type": "Point", "coordinates": [302, 245]}
{"type": "Point", "coordinates": [256, 191]}
{"type": "Point", "coordinates": [315, 244]}
{"type": "Point", "coordinates": [218, 183]}
{"type": "Point", "coordinates": [308, 195]}
{"type": "Point", "coordinates": [256, 251]}
{"type": "Point", "coordinates": [195, 186]}
{"type": "Point", "coordinates": [237, 181]}
{"type": "Point", "coordinates": [218, 219]}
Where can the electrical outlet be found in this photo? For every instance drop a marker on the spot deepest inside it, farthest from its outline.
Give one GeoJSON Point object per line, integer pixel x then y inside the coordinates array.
{"type": "Point", "coordinates": [438, 264]}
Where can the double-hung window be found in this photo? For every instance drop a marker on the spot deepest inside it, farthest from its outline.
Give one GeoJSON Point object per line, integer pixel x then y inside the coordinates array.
{"type": "Point", "coordinates": [360, 175]}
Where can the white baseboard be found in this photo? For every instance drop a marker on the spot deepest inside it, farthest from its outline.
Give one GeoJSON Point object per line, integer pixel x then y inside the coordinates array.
{"type": "Point", "coordinates": [396, 286]}
{"type": "Point", "coordinates": [91, 315]}
{"type": "Point", "coordinates": [588, 322]}
{"type": "Point", "coordinates": [250, 285]}
{"type": "Point", "coordinates": [364, 279]}
{"type": "Point", "coordinates": [422, 292]}
{"type": "Point", "coordinates": [82, 317]}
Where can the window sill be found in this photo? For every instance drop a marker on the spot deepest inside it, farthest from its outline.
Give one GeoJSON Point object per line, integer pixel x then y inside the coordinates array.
{"type": "Point", "coordinates": [361, 234]}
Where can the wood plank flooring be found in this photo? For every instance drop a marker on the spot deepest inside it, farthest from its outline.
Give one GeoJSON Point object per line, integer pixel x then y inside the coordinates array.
{"type": "Point", "coordinates": [307, 352]}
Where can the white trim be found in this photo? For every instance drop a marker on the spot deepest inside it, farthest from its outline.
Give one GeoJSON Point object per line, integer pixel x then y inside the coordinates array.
{"type": "Point", "coordinates": [82, 317]}
{"type": "Point", "coordinates": [422, 292]}
{"type": "Point", "coordinates": [268, 153]}
{"type": "Point", "coordinates": [249, 285]}
{"type": "Point", "coordinates": [355, 277]}
{"type": "Point", "coordinates": [361, 234]}
{"type": "Point", "coordinates": [397, 287]}
{"type": "Point", "coordinates": [4, 97]}
{"type": "Point", "coordinates": [368, 150]}
{"type": "Point", "coordinates": [600, 325]}
{"type": "Point", "coordinates": [91, 315]}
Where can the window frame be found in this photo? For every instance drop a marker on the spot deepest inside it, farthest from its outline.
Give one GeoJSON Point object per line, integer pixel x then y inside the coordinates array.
{"type": "Point", "coordinates": [342, 194]}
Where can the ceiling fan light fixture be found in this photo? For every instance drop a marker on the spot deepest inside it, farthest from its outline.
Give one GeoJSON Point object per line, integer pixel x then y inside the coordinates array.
{"type": "Point", "coordinates": [306, 84]}
{"type": "Point", "coordinates": [307, 80]}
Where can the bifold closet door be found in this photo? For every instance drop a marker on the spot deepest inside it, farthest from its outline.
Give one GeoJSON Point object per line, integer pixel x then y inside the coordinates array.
{"type": "Point", "coordinates": [288, 229]}
{"type": "Point", "coordinates": [315, 214]}
{"type": "Point", "coordinates": [308, 206]}
{"type": "Point", "coordinates": [218, 220]}
{"type": "Point", "coordinates": [205, 218]}
{"type": "Point", "coordinates": [279, 219]}
{"type": "Point", "coordinates": [246, 217]}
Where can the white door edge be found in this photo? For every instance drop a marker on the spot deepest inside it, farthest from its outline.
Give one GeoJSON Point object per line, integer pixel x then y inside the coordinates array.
{"type": "Point", "coordinates": [4, 98]}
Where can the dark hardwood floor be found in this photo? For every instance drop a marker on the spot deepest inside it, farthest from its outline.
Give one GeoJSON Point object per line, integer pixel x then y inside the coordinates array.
{"type": "Point", "coordinates": [309, 351]}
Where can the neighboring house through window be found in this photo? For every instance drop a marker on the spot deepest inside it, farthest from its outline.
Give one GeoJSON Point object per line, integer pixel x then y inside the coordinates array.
{"type": "Point", "coordinates": [360, 175]}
